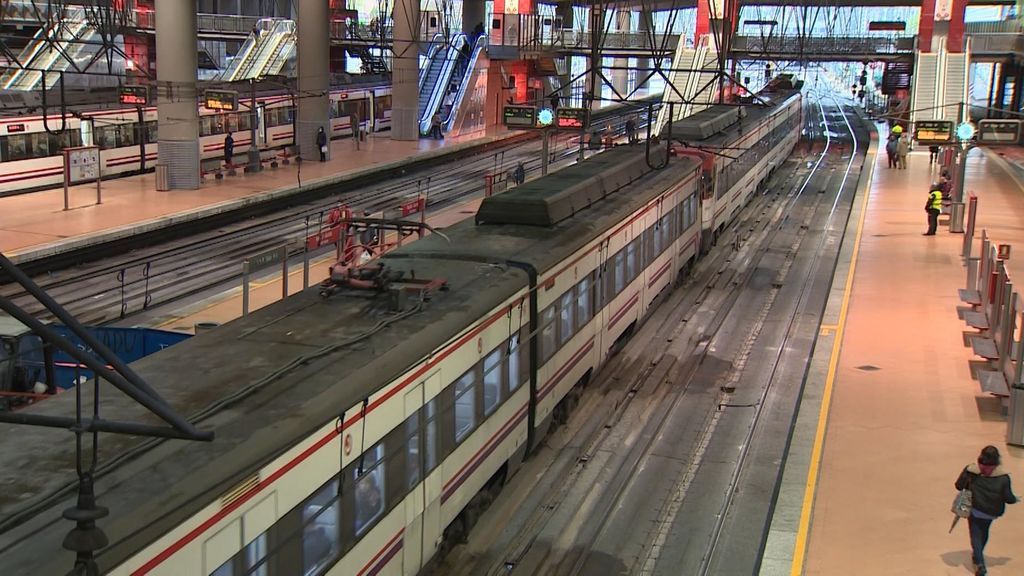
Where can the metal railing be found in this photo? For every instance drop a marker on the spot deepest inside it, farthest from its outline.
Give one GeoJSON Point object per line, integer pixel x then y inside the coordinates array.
{"type": "Point", "coordinates": [829, 47]}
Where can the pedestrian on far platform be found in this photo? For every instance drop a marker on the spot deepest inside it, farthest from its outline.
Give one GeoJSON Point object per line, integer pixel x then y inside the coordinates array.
{"type": "Point", "coordinates": [321, 143]}
{"type": "Point", "coordinates": [990, 493]}
{"type": "Point", "coordinates": [229, 149]}
{"type": "Point", "coordinates": [933, 155]}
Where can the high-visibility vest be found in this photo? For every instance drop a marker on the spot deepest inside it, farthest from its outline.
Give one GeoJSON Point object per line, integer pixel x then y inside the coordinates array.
{"type": "Point", "coordinates": [935, 197]}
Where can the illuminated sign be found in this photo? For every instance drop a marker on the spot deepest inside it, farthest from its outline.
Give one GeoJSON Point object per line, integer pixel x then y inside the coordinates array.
{"type": "Point", "coordinates": [15, 128]}
{"type": "Point", "coordinates": [887, 26]}
{"type": "Point", "coordinates": [965, 131]}
{"type": "Point", "coordinates": [135, 95]}
{"type": "Point", "coordinates": [999, 131]}
{"type": "Point", "coordinates": [545, 117]}
{"type": "Point", "coordinates": [223, 100]}
{"type": "Point", "coordinates": [571, 117]}
{"type": "Point", "coordinates": [933, 131]}
{"type": "Point", "coordinates": [520, 116]}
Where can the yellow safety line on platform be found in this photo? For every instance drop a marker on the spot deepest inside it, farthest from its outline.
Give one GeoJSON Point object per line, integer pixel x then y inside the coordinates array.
{"type": "Point", "coordinates": [800, 549]}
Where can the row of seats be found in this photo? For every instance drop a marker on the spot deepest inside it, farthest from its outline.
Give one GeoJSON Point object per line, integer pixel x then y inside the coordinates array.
{"type": "Point", "coordinates": [272, 158]}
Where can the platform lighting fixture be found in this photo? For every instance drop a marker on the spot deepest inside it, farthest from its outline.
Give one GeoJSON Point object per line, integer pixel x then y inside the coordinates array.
{"type": "Point", "coordinates": [965, 131]}
{"type": "Point", "coordinates": [545, 117]}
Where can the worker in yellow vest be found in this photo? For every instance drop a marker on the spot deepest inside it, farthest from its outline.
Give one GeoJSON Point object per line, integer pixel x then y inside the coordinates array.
{"type": "Point", "coordinates": [933, 206]}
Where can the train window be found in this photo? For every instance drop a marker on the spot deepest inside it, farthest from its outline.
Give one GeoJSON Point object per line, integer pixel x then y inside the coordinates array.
{"type": "Point", "coordinates": [548, 342]}
{"type": "Point", "coordinates": [254, 553]}
{"type": "Point", "coordinates": [565, 320]}
{"type": "Point", "coordinates": [369, 490]}
{"type": "Point", "coordinates": [513, 363]}
{"type": "Point", "coordinates": [430, 436]}
{"type": "Point", "coordinates": [583, 301]}
{"type": "Point", "coordinates": [631, 260]}
{"type": "Point", "coordinates": [412, 450]}
{"type": "Point", "coordinates": [128, 135]}
{"type": "Point", "coordinates": [492, 381]}
{"type": "Point", "coordinates": [207, 125]}
{"type": "Point", "coordinates": [465, 405]}
{"type": "Point", "coordinates": [657, 239]}
{"type": "Point", "coordinates": [620, 272]}
{"type": "Point", "coordinates": [320, 535]}
{"type": "Point", "coordinates": [244, 120]}
{"type": "Point", "coordinates": [151, 132]}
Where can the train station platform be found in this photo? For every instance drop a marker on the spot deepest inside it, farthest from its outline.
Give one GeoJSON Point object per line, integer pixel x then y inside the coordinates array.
{"type": "Point", "coordinates": [891, 413]}
{"type": "Point", "coordinates": [35, 225]}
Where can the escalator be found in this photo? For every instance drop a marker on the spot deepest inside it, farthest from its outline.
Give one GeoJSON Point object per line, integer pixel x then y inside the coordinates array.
{"type": "Point", "coordinates": [436, 43]}
{"type": "Point", "coordinates": [52, 49]}
{"type": "Point", "coordinates": [438, 79]}
{"type": "Point", "coordinates": [463, 77]}
{"type": "Point", "coordinates": [265, 53]}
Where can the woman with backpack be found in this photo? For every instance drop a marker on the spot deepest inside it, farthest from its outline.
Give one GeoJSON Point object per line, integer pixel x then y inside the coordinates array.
{"type": "Point", "coordinates": [990, 491]}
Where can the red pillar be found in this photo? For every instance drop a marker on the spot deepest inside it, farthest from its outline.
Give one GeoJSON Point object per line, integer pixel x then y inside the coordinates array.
{"type": "Point", "coordinates": [926, 26]}
{"type": "Point", "coordinates": [703, 20]}
{"type": "Point", "coordinates": [955, 42]}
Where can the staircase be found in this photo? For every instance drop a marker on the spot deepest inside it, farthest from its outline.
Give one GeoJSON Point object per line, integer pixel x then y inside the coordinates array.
{"type": "Point", "coordinates": [694, 77]}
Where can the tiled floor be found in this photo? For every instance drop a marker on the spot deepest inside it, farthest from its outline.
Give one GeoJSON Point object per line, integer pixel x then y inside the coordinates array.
{"type": "Point", "coordinates": [906, 416]}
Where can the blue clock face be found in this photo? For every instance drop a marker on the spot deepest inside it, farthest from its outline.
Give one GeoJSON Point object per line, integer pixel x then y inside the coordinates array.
{"type": "Point", "coordinates": [965, 131]}
{"type": "Point", "coordinates": [545, 117]}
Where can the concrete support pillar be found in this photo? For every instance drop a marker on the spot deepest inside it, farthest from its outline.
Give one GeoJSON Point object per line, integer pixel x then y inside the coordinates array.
{"type": "Point", "coordinates": [473, 14]}
{"type": "Point", "coordinates": [313, 30]}
{"type": "Point", "coordinates": [177, 113]}
{"type": "Point", "coordinates": [645, 25]}
{"type": "Point", "coordinates": [405, 71]}
{"type": "Point", "coordinates": [620, 74]}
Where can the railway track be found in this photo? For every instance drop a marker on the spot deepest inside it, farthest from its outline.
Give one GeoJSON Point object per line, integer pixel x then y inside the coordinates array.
{"type": "Point", "coordinates": [114, 289]}
{"type": "Point", "coordinates": [664, 432]}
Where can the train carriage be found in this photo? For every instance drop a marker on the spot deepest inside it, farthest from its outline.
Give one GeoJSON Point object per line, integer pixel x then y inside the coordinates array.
{"type": "Point", "coordinates": [30, 146]}
{"type": "Point", "coordinates": [355, 433]}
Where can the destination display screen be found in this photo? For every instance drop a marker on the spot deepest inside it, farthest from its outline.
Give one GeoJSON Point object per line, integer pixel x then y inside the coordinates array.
{"type": "Point", "coordinates": [933, 131]}
{"type": "Point", "coordinates": [223, 100]}
{"type": "Point", "coordinates": [520, 116]}
{"type": "Point", "coordinates": [570, 117]}
{"type": "Point", "coordinates": [999, 131]}
{"type": "Point", "coordinates": [135, 95]}
{"type": "Point", "coordinates": [896, 76]}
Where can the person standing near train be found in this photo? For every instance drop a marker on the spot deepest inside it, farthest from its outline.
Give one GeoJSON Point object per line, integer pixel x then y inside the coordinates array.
{"type": "Point", "coordinates": [229, 149]}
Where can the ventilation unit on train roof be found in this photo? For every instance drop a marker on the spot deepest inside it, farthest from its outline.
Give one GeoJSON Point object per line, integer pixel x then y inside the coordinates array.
{"type": "Point", "coordinates": [706, 123]}
{"type": "Point", "coordinates": [560, 196]}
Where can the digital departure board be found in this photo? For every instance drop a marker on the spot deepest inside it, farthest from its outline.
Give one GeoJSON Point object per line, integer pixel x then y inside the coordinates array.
{"type": "Point", "coordinates": [223, 100]}
{"type": "Point", "coordinates": [134, 95]}
{"type": "Point", "coordinates": [520, 116]}
{"type": "Point", "coordinates": [933, 131]}
{"type": "Point", "coordinates": [999, 131]}
{"type": "Point", "coordinates": [570, 117]}
{"type": "Point", "coordinates": [896, 76]}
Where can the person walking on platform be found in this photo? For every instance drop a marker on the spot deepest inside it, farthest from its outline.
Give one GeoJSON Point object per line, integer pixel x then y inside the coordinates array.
{"type": "Point", "coordinates": [933, 206]}
{"type": "Point", "coordinates": [902, 149]}
{"type": "Point", "coordinates": [519, 175]}
{"type": "Point", "coordinates": [631, 130]}
{"type": "Point", "coordinates": [435, 126]}
{"type": "Point", "coordinates": [321, 143]}
{"type": "Point", "coordinates": [990, 493]}
{"type": "Point", "coordinates": [229, 149]}
{"type": "Point", "coordinates": [933, 155]}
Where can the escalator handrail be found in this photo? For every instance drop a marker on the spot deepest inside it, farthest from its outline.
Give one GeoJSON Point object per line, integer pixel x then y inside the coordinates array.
{"type": "Point", "coordinates": [32, 69]}
{"type": "Point", "coordinates": [441, 84]}
{"type": "Point", "coordinates": [463, 84]}
{"type": "Point", "coordinates": [435, 44]}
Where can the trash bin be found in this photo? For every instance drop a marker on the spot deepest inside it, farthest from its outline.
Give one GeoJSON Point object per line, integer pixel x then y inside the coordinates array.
{"type": "Point", "coordinates": [956, 217]}
{"type": "Point", "coordinates": [162, 178]}
{"type": "Point", "coordinates": [201, 327]}
{"type": "Point", "coordinates": [1015, 417]}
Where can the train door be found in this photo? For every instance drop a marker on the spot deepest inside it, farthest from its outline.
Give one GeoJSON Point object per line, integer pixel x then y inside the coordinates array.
{"type": "Point", "coordinates": [85, 127]}
{"type": "Point", "coordinates": [261, 124]}
{"type": "Point", "coordinates": [423, 530]}
{"type": "Point", "coordinates": [600, 300]}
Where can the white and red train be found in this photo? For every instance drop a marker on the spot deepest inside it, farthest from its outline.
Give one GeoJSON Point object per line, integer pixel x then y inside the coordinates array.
{"type": "Point", "coordinates": [30, 156]}
{"type": "Point", "coordinates": [360, 432]}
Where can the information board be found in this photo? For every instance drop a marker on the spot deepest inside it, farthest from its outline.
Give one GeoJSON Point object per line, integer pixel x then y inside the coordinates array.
{"type": "Point", "coordinates": [933, 131]}
{"type": "Point", "coordinates": [998, 131]}
{"type": "Point", "coordinates": [520, 116]}
{"type": "Point", "coordinates": [223, 100]}
{"type": "Point", "coordinates": [83, 164]}
{"type": "Point", "coordinates": [570, 117]}
{"type": "Point", "coordinates": [897, 76]}
{"type": "Point", "coordinates": [134, 95]}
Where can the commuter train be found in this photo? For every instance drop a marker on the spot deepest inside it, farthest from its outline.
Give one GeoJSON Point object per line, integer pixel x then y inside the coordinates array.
{"type": "Point", "coordinates": [355, 433]}
{"type": "Point", "coordinates": [30, 148]}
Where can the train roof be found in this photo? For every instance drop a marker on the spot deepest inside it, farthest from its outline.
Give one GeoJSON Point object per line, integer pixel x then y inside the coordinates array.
{"type": "Point", "coordinates": [266, 381]}
{"type": "Point", "coordinates": [712, 124]}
